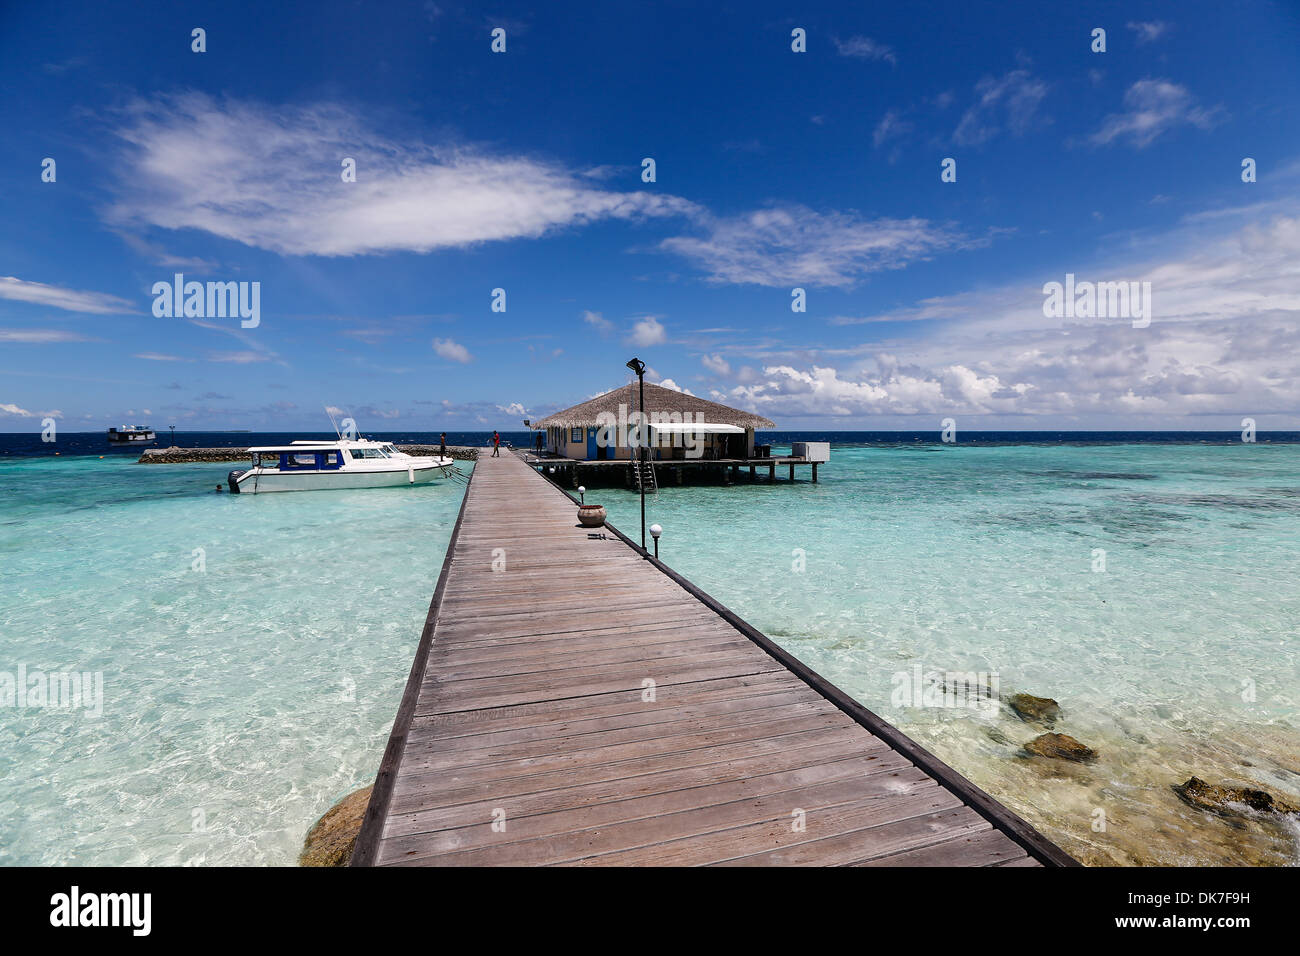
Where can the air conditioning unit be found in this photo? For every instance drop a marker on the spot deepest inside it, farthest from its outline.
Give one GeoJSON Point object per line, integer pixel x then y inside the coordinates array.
{"type": "Point", "coordinates": [818, 451]}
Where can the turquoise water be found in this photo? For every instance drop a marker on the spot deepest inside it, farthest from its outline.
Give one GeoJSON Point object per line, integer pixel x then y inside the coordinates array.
{"type": "Point", "coordinates": [240, 700]}
{"type": "Point", "coordinates": [1180, 658]}
{"type": "Point", "coordinates": [246, 686]}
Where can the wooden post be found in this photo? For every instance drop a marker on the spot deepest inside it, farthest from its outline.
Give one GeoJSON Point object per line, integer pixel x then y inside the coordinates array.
{"type": "Point", "coordinates": [771, 472]}
{"type": "Point", "coordinates": [814, 464]}
{"type": "Point", "coordinates": [751, 472]}
{"type": "Point", "coordinates": [792, 471]}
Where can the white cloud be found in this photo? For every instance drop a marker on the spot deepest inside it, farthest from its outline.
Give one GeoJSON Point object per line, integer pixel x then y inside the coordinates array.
{"type": "Point", "coordinates": [648, 331]}
{"type": "Point", "coordinates": [1152, 107]}
{"type": "Point", "coordinates": [452, 351]}
{"type": "Point", "coordinates": [1008, 102]}
{"type": "Point", "coordinates": [865, 48]}
{"type": "Point", "coordinates": [9, 408]}
{"type": "Point", "coordinates": [38, 293]}
{"type": "Point", "coordinates": [514, 408]}
{"type": "Point", "coordinates": [41, 336]}
{"type": "Point", "coordinates": [246, 357]}
{"type": "Point", "coordinates": [716, 364]}
{"type": "Point", "coordinates": [669, 383]}
{"type": "Point", "coordinates": [1224, 341]}
{"type": "Point", "coordinates": [1148, 32]}
{"type": "Point", "coordinates": [794, 246]}
{"type": "Point", "coordinates": [598, 322]}
{"type": "Point", "coordinates": [161, 357]}
{"type": "Point", "coordinates": [253, 173]}
{"type": "Point", "coordinates": [891, 126]}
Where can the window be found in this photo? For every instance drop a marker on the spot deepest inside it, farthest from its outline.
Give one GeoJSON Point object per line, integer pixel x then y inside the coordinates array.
{"type": "Point", "coordinates": [575, 434]}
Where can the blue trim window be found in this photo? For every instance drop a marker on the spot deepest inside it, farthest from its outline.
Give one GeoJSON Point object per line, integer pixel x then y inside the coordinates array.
{"type": "Point", "coordinates": [575, 435]}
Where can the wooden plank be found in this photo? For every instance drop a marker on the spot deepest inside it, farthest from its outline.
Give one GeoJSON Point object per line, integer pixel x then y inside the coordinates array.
{"type": "Point", "coordinates": [528, 732]}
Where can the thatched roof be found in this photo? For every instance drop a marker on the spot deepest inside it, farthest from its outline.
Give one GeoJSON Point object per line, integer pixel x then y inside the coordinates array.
{"type": "Point", "coordinates": [657, 399]}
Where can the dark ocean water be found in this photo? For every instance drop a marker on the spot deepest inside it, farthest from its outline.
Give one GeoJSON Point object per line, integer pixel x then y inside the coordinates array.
{"type": "Point", "coordinates": [95, 443]}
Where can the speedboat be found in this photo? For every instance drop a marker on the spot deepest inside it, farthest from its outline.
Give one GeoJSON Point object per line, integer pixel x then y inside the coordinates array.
{"type": "Point", "coordinates": [344, 463]}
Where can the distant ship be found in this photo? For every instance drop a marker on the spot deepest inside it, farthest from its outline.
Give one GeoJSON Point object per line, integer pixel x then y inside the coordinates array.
{"type": "Point", "coordinates": [125, 434]}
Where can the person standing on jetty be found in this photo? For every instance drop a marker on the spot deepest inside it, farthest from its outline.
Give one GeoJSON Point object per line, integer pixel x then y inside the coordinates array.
{"type": "Point", "coordinates": [442, 445]}
{"type": "Point", "coordinates": [496, 445]}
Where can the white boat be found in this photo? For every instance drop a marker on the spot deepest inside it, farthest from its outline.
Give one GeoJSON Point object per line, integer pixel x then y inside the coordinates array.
{"type": "Point", "coordinates": [344, 463]}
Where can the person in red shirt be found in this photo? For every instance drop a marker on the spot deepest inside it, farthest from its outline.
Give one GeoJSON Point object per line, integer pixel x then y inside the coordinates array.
{"type": "Point", "coordinates": [496, 445]}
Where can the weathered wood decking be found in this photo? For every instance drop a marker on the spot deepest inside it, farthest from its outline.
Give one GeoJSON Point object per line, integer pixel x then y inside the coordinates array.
{"type": "Point", "coordinates": [527, 734]}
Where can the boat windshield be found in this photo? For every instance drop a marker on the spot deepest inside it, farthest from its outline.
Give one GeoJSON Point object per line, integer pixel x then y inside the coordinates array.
{"type": "Point", "coordinates": [368, 453]}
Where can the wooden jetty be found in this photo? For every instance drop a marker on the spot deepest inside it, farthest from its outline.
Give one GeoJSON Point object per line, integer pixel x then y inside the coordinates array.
{"type": "Point", "coordinates": [575, 702]}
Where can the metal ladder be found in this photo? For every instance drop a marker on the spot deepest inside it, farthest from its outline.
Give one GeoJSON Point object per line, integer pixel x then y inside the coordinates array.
{"type": "Point", "coordinates": [643, 474]}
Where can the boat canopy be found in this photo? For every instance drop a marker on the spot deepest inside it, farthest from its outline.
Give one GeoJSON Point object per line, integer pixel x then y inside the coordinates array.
{"type": "Point", "coordinates": [289, 449]}
{"type": "Point", "coordinates": [695, 428]}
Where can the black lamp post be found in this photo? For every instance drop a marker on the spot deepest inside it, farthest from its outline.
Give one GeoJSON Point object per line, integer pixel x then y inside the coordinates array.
{"type": "Point", "coordinates": [638, 366]}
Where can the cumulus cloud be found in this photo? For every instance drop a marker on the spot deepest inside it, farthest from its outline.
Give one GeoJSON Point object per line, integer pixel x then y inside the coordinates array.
{"type": "Point", "coordinates": [1224, 340]}
{"type": "Point", "coordinates": [793, 245]}
{"type": "Point", "coordinates": [716, 364]}
{"type": "Point", "coordinates": [71, 300]}
{"type": "Point", "coordinates": [452, 351]}
{"type": "Point", "coordinates": [253, 173]}
{"type": "Point", "coordinates": [1152, 108]}
{"type": "Point", "coordinates": [648, 331]}
{"type": "Point", "coordinates": [1009, 102]}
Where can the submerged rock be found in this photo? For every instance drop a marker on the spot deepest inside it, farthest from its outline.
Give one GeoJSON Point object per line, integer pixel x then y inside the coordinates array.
{"type": "Point", "coordinates": [330, 841]}
{"type": "Point", "coordinates": [1035, 710]}
{"type": "Point", "coordinates": [1062, 747]}
{"type": "Point", "coordinates": [1228, 800]}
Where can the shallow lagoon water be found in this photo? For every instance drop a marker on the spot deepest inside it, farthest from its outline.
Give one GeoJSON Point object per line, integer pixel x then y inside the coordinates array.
{"type": "Point", "coordinates": [243, 693]}
{"type": "Point", "coordinates": [243, 699]}
{"type": "Point", "coordinates": [1182, 657]}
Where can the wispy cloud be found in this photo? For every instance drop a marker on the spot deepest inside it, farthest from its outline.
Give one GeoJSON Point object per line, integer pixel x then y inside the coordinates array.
{"type": "Point", "coordinates": [1148, 32]}
{"type": "Point", "coordinates": [70, 300]}
{"type": "Point", "coordinates": [794, 245]}
{"type": "Point", "coordinates": [1009, 102]}
{"type": "Point", "coordinates": [865, 48]}
{"type": "Point", "coordinates": [598, 322]}
{"type": "Point", "coordinates": [245, 357]}
{"type": "Point", "coordinates": [1151, 108]}
{"type": "Point", "coordinates": [42, 336]}
{"type": "Point", "coordinates": [891, 126]}
{"type": "Point", "coordinates": [251, 173]}
{"type": "Point", "coordinates": [161, 357]}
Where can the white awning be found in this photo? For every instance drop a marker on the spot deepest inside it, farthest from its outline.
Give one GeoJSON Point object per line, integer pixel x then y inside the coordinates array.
{"type": "Point", "coordinates": [696, 428]}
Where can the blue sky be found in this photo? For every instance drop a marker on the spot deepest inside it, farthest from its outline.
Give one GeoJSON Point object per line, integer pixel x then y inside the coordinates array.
{"type": "Point", "coordinates": [775, 169]}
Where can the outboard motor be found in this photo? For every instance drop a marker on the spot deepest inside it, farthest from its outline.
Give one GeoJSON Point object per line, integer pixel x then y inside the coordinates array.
{"type": "Point", "coordinates": [232, 480]}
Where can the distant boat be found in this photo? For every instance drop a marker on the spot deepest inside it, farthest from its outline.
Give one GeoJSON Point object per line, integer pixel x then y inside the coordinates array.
{"type": "Point", "coordinates": [124, 434]}
{"type": "Point", "coordinates": [344, 463]}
